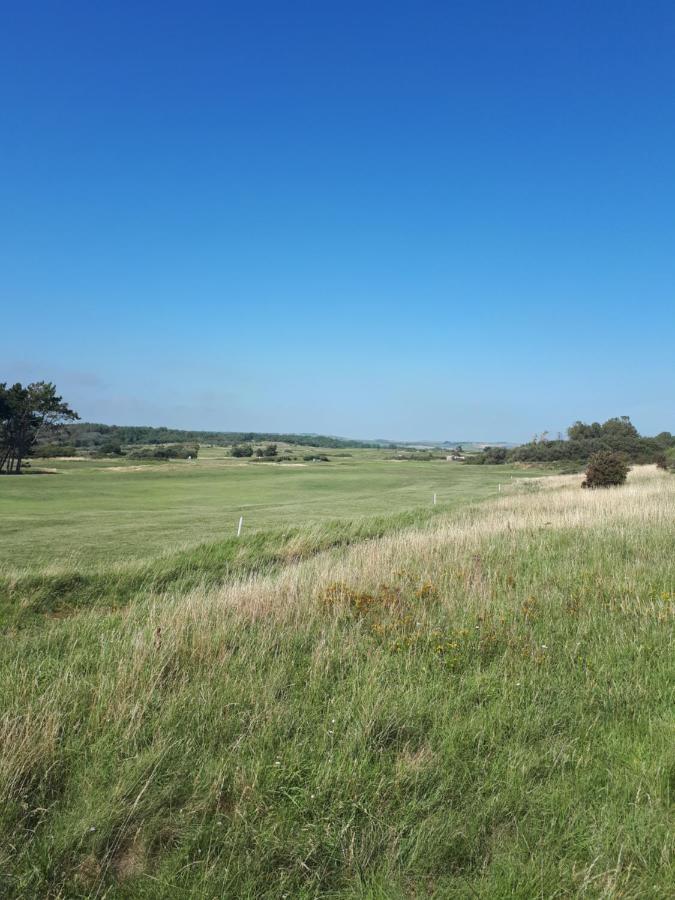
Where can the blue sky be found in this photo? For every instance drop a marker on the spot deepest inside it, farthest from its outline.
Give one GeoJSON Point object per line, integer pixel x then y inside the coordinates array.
{"type": "Point", "coordinates": [411, 220]}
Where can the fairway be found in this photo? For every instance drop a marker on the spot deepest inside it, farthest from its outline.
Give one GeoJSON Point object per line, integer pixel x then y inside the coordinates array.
{"type": "Point", "coordinates": [92, 512]}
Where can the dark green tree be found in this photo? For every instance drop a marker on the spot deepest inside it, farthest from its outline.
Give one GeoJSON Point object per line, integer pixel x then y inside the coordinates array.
{"type": "Point", "coordinates": [581, 430]}
{"type": "Point", "coordinates": [26, 415]}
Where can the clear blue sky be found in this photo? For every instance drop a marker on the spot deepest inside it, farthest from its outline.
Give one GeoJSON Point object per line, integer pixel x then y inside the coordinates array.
{"type": "Point", "coordinates": [409, 220]}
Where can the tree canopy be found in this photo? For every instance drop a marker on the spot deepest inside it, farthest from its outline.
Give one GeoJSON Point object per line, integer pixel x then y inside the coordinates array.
{"type": "Point", "coordinates": [26, 415]}
{"type": "Point", "coordinates": [90, 435]}
{"type": "Point", "coordinates": [584, 440]}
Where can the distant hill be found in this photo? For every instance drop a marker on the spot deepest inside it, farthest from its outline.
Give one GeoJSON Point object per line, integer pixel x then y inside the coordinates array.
{"type": "Point", "coordinates": [91, 434]}
{"type": "Point", "coordinates": [451, 445]}
{"type": "Point", "coordinates": [94, 434]}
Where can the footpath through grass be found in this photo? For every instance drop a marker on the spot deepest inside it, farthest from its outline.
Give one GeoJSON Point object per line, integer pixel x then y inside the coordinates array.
{"type": "Point", "coordinates": [480, 707]}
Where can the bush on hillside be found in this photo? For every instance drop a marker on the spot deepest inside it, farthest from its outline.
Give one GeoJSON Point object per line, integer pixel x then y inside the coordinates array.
{"type": "Point", "coordinates": [491, 456]}
{"type": "Point", "coordinates": [172, 451]}
{"type": "Point", "coordinates": [240, 450]}
{"type": "Point", "coordinates": [661, 461]}
{"type": "Point", "coordinates": [111, 448]}
{"type": "Point", "coordinates": [268, 451]}
{"type": "Point", "coordinates": [605, 469]}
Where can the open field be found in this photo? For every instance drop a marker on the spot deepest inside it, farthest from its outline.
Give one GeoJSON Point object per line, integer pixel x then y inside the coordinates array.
{"type": "Point", "coordinates": [480, 705]}
{"type": "Point", "coordinates": [103, 511]}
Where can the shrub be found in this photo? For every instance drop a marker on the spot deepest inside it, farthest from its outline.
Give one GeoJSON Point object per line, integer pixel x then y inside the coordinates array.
{"type": "Point", "coordinates": [242, 450]}
{"type": "Point", "coordinates": [111, 448]}
{"type": "Point", "coordinates": [661, 461]}
{"type": "Point", "coordinates": [605, 469]}
{"type": "Point", "coordinates": [491, 456]}
{"type": "Point", "coordinates": [268, 451]}
{"type": "Point", "coordinates": [171, 451]}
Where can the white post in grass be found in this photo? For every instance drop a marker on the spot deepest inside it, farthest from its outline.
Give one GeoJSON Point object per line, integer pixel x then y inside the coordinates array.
{"type": "Point", "coordinates": [241, 522]}
{"type": "Point", "coordinates": [434, 499]}
{"type": "Point", "coordinates": [500, 488]}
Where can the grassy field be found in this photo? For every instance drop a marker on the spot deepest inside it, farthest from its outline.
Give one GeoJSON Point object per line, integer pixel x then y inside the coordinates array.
{"type": "Point", "coordinates": [102, 511]}
{"type": "Point", "coordinates": [480, 705]}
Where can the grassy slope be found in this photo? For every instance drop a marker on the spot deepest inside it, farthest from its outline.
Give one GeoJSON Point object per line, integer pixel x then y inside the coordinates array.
{"type": "Point", "coordinates": [480, 706]}
{"type": "Point", "coordinates": [101, 512]}
{"type": "Point", "coordinates": [76, 523]}
{"type": "Point", "coordinates": [58, 591]}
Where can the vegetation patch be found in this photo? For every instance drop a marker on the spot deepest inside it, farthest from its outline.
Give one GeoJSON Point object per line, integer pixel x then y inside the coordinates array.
{"type": "Point", "coordinates": [479, 707]}
{"type": "Point", "coordinates": [605, 469]}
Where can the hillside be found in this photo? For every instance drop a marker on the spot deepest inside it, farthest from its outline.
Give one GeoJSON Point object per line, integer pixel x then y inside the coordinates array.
{"type": "Point", "coordinates": [480, 705]}
{"type": "Point", "coordinates": [90, 434]}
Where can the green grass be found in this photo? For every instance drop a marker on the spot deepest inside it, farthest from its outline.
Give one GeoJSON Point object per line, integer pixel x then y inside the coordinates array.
{"type": "Point", "coordinates": [477, 705]}
{"type": "Point", "coordinates": [26, 598]}
{"type": "Point", "coordinates": [104, 511]}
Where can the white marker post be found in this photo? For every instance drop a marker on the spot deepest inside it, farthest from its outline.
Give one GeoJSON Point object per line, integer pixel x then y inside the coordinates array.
{"type": "Point", "coordinates": [241, 522]}
{"type": "Point", "coordinates": [500, 488]}
{"type": "Point", "coordinates": [434, 499]}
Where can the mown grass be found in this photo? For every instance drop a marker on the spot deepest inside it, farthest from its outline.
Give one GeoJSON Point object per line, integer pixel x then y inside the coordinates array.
{"type": "Point", "coordinates": [102, 512]}
{"type": "Point", "coordinates": [480, 707]}
{"type": "Point", "coordinates": [58, 591]}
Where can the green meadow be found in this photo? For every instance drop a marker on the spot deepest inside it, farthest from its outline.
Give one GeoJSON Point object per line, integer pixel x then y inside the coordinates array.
{"type": "Point", "coordinates": [365, 695]}
{"type": "Point", "coordinates": [94, 512]}
{"type": "Point", "coordinates": [476, 702]}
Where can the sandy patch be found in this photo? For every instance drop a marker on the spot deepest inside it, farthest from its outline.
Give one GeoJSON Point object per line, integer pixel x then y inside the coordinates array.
{"type": "Point", "coordinates": [65, 458]}
{"type": "Point", "coordinates": [279, 464]}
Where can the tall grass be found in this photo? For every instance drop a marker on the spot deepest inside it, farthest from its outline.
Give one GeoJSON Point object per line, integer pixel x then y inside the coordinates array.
{"type": "Point", "coordinates": [478, 706]}
{"type": "Point", "coordinates": [61, 589]}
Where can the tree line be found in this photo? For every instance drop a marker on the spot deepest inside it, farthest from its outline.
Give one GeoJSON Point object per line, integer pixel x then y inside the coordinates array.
{"type": "Point", "coordinates": [27, 415]}
{"type": "Point", "coordinates": [584, 441]}
{"type": "Point", "coordinates": [90, 435]}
